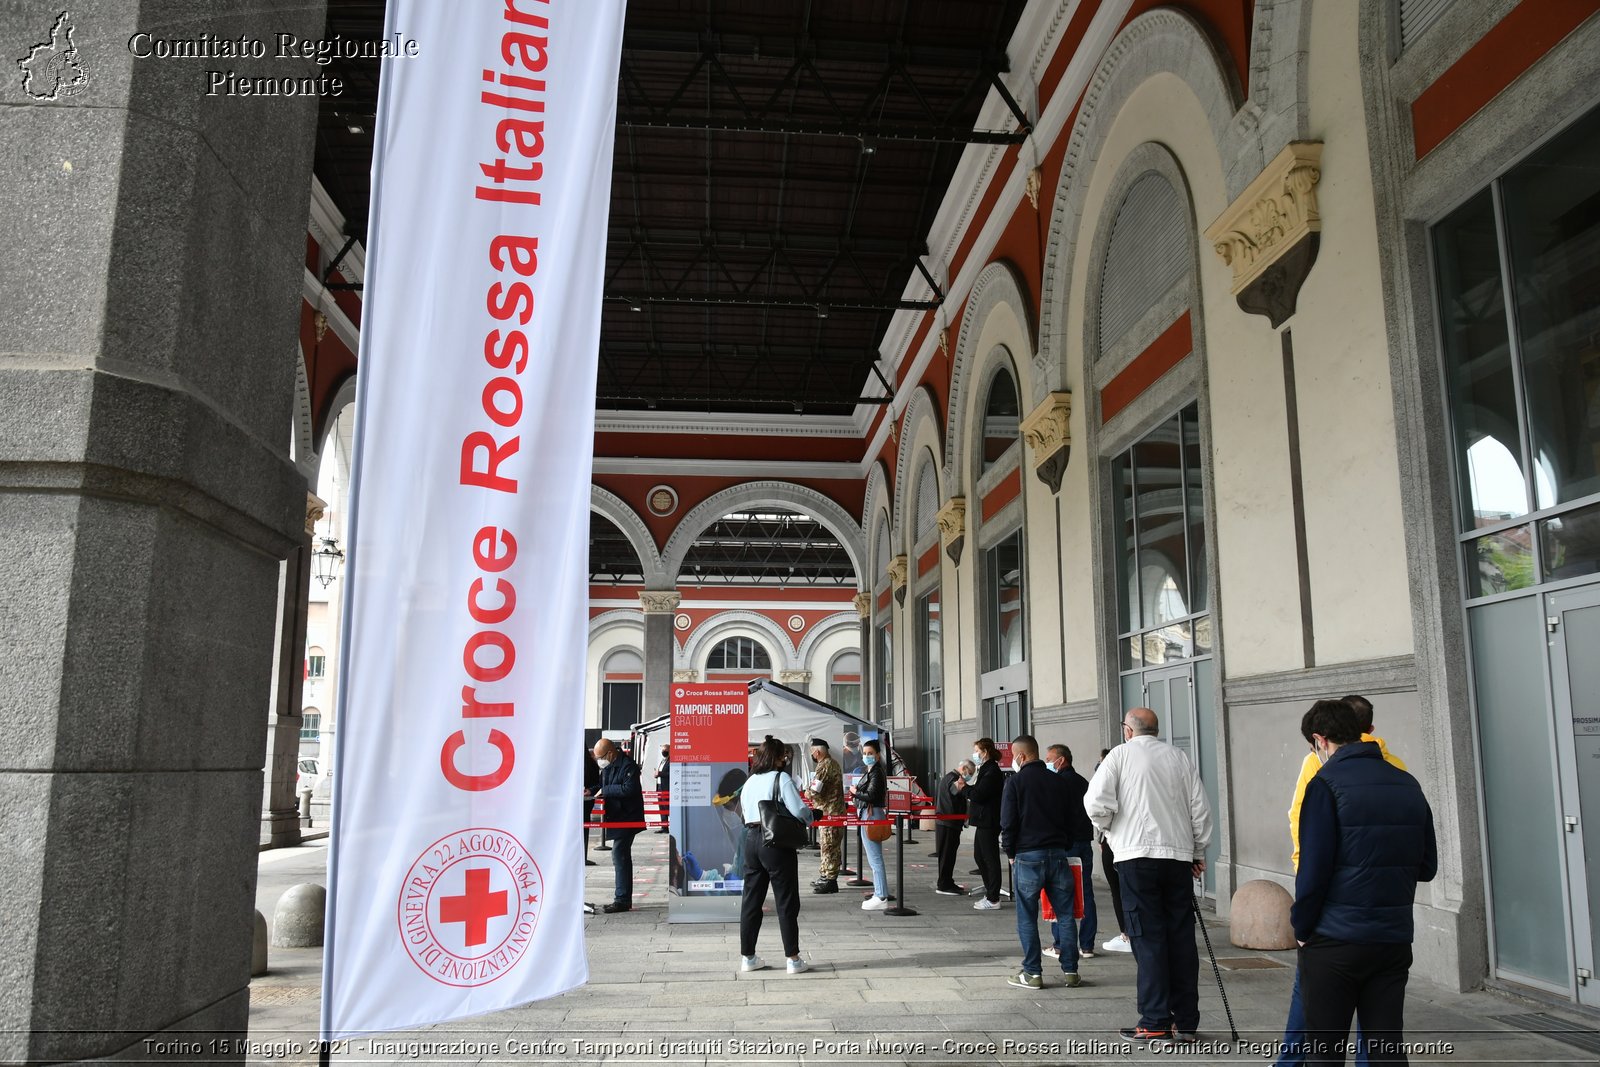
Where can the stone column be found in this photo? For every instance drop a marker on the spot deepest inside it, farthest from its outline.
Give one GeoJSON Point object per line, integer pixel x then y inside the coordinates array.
{"type": "Point", "coordinates": [283, 738]}
{"type": "Point", "coordinates": [156, 248]}
{"type": "Point", "coordinates": [863, 603]}
{"type": "Point", "coordinates": [659, 607]}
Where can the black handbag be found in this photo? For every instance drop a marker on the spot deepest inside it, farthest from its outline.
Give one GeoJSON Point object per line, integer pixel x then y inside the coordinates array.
{"type": "Point", "coordinates": [779, 827]}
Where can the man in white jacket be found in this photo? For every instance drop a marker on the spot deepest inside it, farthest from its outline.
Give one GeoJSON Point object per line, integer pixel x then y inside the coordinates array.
{"type": "Point", "coordinates": [1147, 799]}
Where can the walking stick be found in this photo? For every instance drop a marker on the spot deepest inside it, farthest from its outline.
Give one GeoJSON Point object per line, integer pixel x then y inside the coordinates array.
{"type": "Point", "coordinates": [1214, 968]}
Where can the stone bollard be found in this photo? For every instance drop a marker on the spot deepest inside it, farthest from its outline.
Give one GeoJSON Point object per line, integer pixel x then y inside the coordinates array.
{"type": "Point", "coordinates": [258, 947]}
{"type": "Point", "coordinates": [1260, 916]}
{"type": "Point", "coordinates": [297, 920]}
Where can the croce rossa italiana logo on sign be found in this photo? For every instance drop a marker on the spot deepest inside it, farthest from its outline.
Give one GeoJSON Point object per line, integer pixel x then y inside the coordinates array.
{"type": "Point", "coordinates": [469, 906]}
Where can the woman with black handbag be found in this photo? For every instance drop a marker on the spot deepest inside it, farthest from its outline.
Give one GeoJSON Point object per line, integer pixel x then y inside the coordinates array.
{"type": "Point", "coordinates": [775, 822]}
{"type": "Point", "coordinates": [871, 795]}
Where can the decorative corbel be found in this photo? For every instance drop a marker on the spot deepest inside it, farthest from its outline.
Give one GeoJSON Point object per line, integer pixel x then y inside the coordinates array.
{"type": "Point", "coordinates": [952, 519]}
{"type": "Point", "coordinates": [898, 569]}
{"type": "Point", "coordinates": [1270, 234]}
{"type": "Point", "coordinates": [1048, 433]}
{"type": "Point", "coordinates": [863, 603]}
{"type": "Point", "coordinates": [655, 602]}
{"type": "Point", "coordinates": [316, 507]}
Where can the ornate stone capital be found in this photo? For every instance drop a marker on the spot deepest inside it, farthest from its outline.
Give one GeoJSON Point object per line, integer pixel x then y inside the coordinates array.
{"type": "Point", "coordinates": [899, 567]}
{"type": "Point", "coordinates": [1269, 235]}
{"type": "Point", "coordinates": [659, 602]}
{"type": "Point", "coordinates": [794, 677]}
{"type": "Point", "coordinates": [952, 519]}
{"type": "Point", "coordinates": [316, 507]}
{"type": "Point", "coordinates": [690, 675]}
{"type": "Point", "coordinates": [863, 603]}
{"type": "Point", "coordinates": [1048, 433]}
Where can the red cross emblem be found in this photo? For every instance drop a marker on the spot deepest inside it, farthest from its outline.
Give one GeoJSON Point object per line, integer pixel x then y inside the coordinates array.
{"type": "Point", "coordinates": [475, 907]}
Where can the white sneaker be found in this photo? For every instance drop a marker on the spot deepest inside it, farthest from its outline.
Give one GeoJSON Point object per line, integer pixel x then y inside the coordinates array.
{"type": "Point", "coordinates": [1119, 943]}
{"type": "Point", "coordinates": [1051, 952]}
{"type": "Point", "coordinates": [798, 966]}
{"type": "Point", "coordinates": [985, 904]}
{"type": "Point", "coordinates": [752, 963]}
{"type": "Point", "coordinates": [875, 904]}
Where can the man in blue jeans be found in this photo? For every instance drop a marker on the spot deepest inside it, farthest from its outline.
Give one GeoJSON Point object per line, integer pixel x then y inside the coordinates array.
{"type": "Point", "coordinates": [1035, 833]}
{"type": "Point", "coordinates": [1148, 800]}
{"type": "Point", "coordinates": [1059, 759]}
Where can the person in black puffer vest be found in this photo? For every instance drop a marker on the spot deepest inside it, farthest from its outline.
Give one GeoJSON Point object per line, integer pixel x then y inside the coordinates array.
{"type": "Point", "coordinates": [983, 815]}
{"type": "Point", "coordinates": [1366, 840]}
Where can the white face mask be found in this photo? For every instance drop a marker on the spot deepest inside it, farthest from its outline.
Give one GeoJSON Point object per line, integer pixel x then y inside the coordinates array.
{"type": "Point", "coordinates": [1053, 768]}
{"type": "Point", "coordinates": [977, 758]}
{"type": "Point", "coordinates": [603, 763]}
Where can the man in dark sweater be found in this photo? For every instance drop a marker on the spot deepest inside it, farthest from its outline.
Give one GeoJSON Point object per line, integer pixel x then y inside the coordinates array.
{"type": "Point", "coordinates": [1059, 759]}
{"type": "Point", "coordinates": [1035, 832]}
{"type": "Point", "coordinates": [1366, 840]}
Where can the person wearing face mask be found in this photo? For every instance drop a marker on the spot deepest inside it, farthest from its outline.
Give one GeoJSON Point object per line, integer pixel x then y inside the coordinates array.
{"type": "Point", "coordinates": [1366, 840]}
{"type": "Point", "coordinates": [871, 796]}
{"type": "Point", "coordinates": [951, 800]}
{"type": "Point", "coordinates": [624, 800]}
{"type": "Point", "coordinates": [1059, 760]}
{"type": "Point", "coordinates": [983, 815]}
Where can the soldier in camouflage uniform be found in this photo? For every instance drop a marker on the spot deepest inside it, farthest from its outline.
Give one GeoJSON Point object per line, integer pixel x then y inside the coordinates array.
{"type": "Point", "coordinates": [825, 792]}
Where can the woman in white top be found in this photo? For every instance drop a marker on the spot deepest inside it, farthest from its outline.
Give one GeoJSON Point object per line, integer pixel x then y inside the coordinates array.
{"type": "Point", "coordinates": [764, 863]}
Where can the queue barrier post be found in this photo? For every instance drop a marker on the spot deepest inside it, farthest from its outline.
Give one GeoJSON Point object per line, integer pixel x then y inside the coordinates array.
{"type": "Point", "coordinates": [899, 907]}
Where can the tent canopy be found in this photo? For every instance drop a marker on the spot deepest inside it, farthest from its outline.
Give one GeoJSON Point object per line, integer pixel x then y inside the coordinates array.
{"type": "Point", "coordinates": [792, 717]}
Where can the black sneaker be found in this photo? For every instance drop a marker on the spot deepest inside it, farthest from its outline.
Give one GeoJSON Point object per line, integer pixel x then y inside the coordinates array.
{"type": "Point", "coordinates": [829, 886]}
{"type": "Point", "coordinates": [616, 906]}
{"type": "Point", "coordinates": [950, 890]}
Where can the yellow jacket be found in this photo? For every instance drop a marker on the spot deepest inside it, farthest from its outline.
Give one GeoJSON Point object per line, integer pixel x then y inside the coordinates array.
{"type": "Point", "coordinates": [1308, 770]}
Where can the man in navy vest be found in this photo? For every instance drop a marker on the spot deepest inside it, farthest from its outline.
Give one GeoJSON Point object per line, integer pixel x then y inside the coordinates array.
{"type": "Point", "coordinates": [1366, 840]}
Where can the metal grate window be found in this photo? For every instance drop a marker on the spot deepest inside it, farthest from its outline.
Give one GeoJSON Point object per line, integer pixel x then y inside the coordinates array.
{"type": "Point", "coordinates": [927, 499]}
{"type": "Point", "coordinates": [1416, 16]}
{"type": "Point", "coordinates": [1148, 253]}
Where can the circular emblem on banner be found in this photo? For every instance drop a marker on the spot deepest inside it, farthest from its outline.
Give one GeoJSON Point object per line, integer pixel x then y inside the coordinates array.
{"type": "Point", "coordinates": [662, 500]}
{"type": "Point", "coordinates": [796, 623]}
{"type": "Point", "coordinates": [681, 621]}
{"type": "Point", "coordinates": [469, 906]}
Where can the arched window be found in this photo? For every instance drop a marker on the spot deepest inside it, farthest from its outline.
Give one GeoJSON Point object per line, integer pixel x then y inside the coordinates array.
{"type": "Point", "coordinates": [927, 498]}
{"type": "Point", "coordinates": [1147, 255]}
{"type": "Point", "coordinates": [621, 689]}
{"type": "Point", "coordinates": [316, 663]}
{"type": "Point", "coordinates": [882, 554]}
{"type": "Point", "coordinates": [1000, 417]}
{"type": "Point", "coordinates": [739, 654]}
{"type": "Point", "coordinates": [310, 724]}
{"type": "Point", "coordinates": [844, 682]}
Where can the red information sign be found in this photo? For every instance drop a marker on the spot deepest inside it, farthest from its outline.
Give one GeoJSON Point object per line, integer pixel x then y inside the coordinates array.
{"type": "Point", "coordinates": [708, 722]}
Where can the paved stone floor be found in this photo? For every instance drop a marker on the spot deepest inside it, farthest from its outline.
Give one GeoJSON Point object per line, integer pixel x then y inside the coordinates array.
{"type": "Point", "coordinates": [885, 990]}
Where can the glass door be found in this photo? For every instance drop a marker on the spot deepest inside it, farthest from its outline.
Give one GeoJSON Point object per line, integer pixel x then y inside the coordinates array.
{"type": "Point", "coordinates": [1574, 618]}
{"type": "Point", "coordinates": [1170, 693]}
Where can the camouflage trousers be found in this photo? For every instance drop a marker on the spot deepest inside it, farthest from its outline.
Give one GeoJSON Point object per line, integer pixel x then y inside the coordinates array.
{"type": "Point", "coordinates": [831, 838]}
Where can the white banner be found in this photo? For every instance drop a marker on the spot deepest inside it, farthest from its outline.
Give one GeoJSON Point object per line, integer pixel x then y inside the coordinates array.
{"type": "Point", "coordinates": [456, 879]}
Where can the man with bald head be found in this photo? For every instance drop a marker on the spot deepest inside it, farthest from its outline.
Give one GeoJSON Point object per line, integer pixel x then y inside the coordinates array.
{"type": "Point", "coordinates": [1148, 800]}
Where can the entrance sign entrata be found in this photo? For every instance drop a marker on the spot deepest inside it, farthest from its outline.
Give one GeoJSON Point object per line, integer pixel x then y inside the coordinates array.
{"type": "Point", "coordinates": [710, 747]}
{"type": "Point", "coordinates": [456, 877]}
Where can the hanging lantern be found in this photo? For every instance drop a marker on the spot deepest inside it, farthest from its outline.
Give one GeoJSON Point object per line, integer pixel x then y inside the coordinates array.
{"type": "Point", "coordinates": [327, 560]}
